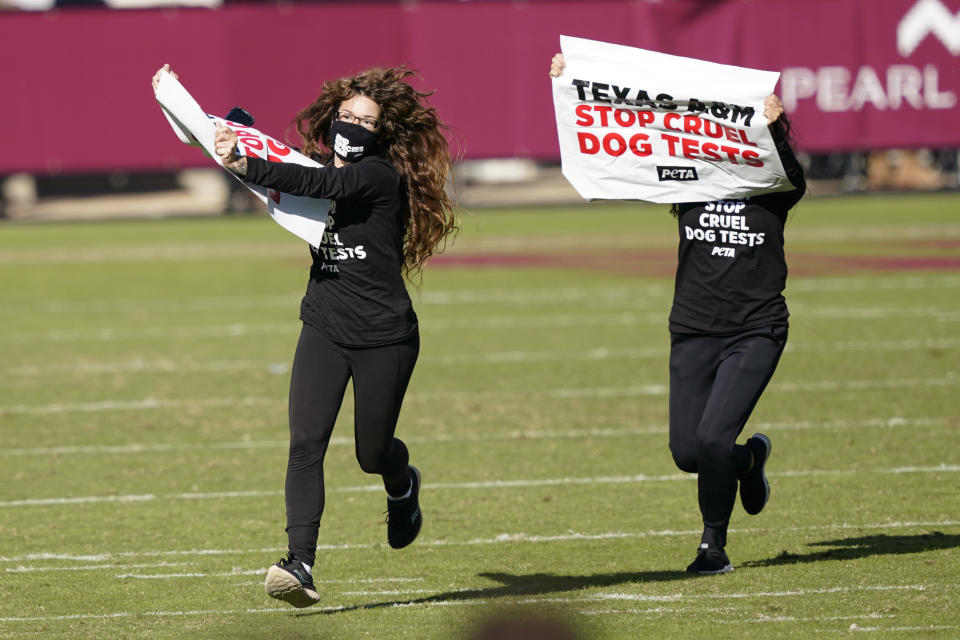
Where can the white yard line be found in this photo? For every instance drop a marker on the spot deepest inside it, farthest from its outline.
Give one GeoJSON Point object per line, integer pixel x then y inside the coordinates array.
{"type": "Point", "coordinates": [97, 567]}
{"type": "Point", "coordinates": [153, 614]}
{"type": "Point", "coordinates": [674, 598]}
{"type": "Point", "coordinates": [857, 629]}
{"type": "Point", "coordinates": [615, 317]}
{"type": "Point", "coordinates": [137, 405]}
{"type": "Point", "coordinates": [949, 468]}
{"type": "Point", "coordinates": [470, 246]}
{"type": "Point", "coordinates": [892, 422]}
{"type": "Point", "coordinates": [459, 486]}
{"type": "Point", "coordinates": [152, 366]}
{"type": "Point", "coordinates": [504, 538]}
{"type": "Point", "coordinates": [949, 380]}
{"type": "Point", "coordinates": [151, 253]}
{"type": "Point", "coordinates": [40, 502]}
{"type": "Point", "coordinates": [629, 294]}
{"type": "Point", "coordinates": [112, 334]}
{"type": "Point", "coordinates": [762, 619]}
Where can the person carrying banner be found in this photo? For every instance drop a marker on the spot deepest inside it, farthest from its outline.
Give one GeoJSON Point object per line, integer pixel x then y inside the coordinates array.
{"type": "Point", "coordinates": [728, 328]}
{"type": "Point", "coordinates": [386, 164]}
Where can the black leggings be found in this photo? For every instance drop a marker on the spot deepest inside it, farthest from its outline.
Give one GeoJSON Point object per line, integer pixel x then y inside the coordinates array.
{"type": "Point", "coordinates": [715, 382]}
{"type": "Point", "coordinates": [321, 369]}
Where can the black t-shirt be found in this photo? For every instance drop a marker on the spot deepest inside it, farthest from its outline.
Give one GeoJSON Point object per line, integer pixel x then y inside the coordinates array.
{"type": "Point", "coordinates": [356, 295]}
{"type": "Point", "coordinates": [731, 270]}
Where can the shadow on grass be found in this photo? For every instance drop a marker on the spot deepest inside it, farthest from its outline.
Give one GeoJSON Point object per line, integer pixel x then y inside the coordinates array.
{"type": "Point", "coordinates": [537, 584]}
{"type": "Point", "coordinates": [864, 546]}
{"type": "Point", "coordinates": [534, 584]}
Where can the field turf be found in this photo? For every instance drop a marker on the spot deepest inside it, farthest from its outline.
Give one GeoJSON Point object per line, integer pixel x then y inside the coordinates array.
{"type": "Point", "coordinates": [143, 423]}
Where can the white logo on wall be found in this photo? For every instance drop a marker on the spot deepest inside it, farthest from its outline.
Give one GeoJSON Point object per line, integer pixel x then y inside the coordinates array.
{"type": "Point", "coordinates": [924, 18]}
{"type": "Point", "coordinates": [839, 88]}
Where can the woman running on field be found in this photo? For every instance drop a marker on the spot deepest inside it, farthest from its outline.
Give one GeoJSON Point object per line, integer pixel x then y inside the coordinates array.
{"type": "Point", "coordinates": [728, 327]}
{"type": "Point", "coordinates": [386, 176]}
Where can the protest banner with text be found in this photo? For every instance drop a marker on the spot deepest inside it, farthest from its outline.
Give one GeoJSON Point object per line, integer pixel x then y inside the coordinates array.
{"type": "Point", "coordinates": [640, 125]}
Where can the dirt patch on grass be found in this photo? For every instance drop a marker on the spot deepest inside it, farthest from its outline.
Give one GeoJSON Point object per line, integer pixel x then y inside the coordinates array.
{"type": "Point", "coordinates": [661, 263]}
{"type": "Point", "coordinates": [645, 262]}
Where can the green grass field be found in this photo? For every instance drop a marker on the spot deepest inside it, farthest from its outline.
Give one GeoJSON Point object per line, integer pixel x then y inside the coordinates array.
{"type": "Point", "coordinates": [143, 421]}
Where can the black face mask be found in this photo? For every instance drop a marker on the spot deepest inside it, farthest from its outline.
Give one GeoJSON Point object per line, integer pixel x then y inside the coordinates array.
{"type": "Point", "coordinates": [351, 141]}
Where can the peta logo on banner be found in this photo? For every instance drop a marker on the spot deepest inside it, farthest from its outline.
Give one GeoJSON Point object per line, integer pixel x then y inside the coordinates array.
{"type": "Point", "coordinates": [676, 173]}
{"type": "Point", "coordinates": [924, 18]}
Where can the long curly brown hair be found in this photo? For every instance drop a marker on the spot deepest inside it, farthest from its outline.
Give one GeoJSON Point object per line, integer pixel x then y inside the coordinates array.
{"type": "Point", "coordinates": [411, 140]}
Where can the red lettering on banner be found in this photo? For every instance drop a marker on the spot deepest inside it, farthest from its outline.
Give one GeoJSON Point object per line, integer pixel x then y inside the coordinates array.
{"type": "Point", "coordinates": [744, 140]}
{"type": "Point", "coordinates": [731, 153]}
{"type": "Point", "coordinates": [691, 124]}
{"type": "Point", "coordinates": [710, 151]}
{"type": "Point", "coordinates": [603, 111]}
{"type": "Point", "coordinates": [732, 134]}
{"type": "Point", "coordinates": [585, 119]}
{"type": "Point", "coordinates": [716, 133]}
{"type": "Point", "coordinates": [589, 143]}
{"type": "Point", "coordinates": [252, 142]}
{"type": "Point", "coordinates": [608, 141]}
{"type": "Point", "coordinates": [624, 117]}
{"type": "Point", "coordinates": [671, 141]}
{"type": "Point", "coordinates": [690, 148]}
{"type": "Point", "coordinates": [752, 158]}
{"type": "Point", "coordinates": [669, 119]}
{"type": "Point", "coordinates": [278, 147]}
{"type": "Point", "coordinates": [641, 150]}
{"type": "Point", "coordinates": [614, 144]}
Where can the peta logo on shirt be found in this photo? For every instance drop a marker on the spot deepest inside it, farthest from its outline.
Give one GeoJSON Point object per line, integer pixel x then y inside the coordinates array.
{"type": "Point", "coordinates": [676, 173]}
{"type": "Point", "coordinates": [341, 147]}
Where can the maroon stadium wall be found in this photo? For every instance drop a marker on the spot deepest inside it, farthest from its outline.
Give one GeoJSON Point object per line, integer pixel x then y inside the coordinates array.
{"type": "Point", "coordinates": [856, 74]}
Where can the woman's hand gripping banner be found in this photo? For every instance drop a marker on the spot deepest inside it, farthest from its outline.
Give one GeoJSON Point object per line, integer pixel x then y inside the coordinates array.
{"type": "Point", "coordinates": [304, 217]}
{"type": "Point", "coordinates": [641, 125]}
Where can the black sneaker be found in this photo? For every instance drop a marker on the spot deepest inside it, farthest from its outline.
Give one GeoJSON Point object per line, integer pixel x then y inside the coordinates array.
{"type": "Point", "coordinates": [289, 580]}
{"type": "Point", "coordinates": [754, 488]}
{"type": "Point", "coordinates": [709, 561]}
{"type": "Point", "coordinates": [403, 516]}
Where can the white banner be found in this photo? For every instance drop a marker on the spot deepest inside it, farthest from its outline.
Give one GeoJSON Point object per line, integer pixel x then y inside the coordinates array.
{"type": "Point", "coordinates": [304, 217]}
{"type": "Point", "coordinates": [641, 125]}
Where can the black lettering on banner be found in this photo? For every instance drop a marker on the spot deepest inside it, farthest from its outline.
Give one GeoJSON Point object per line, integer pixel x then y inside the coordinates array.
{"type": "Point", "coordinates": [737, 111]}
{"type": "Point", "coordinates": [599, 90]}
{"type": "Point", "coordinates": [720, 110]}
{"type": "Point", "coordinates": [683, 174]}
{"type": "Point", "coordinates": [580, 84]}
{"type": "Point", "coordinates": [620, 95]}
{"type": "Point", "coordinates": [643, 100]}
{"type": "Point", "coordinates": [667, 103]}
